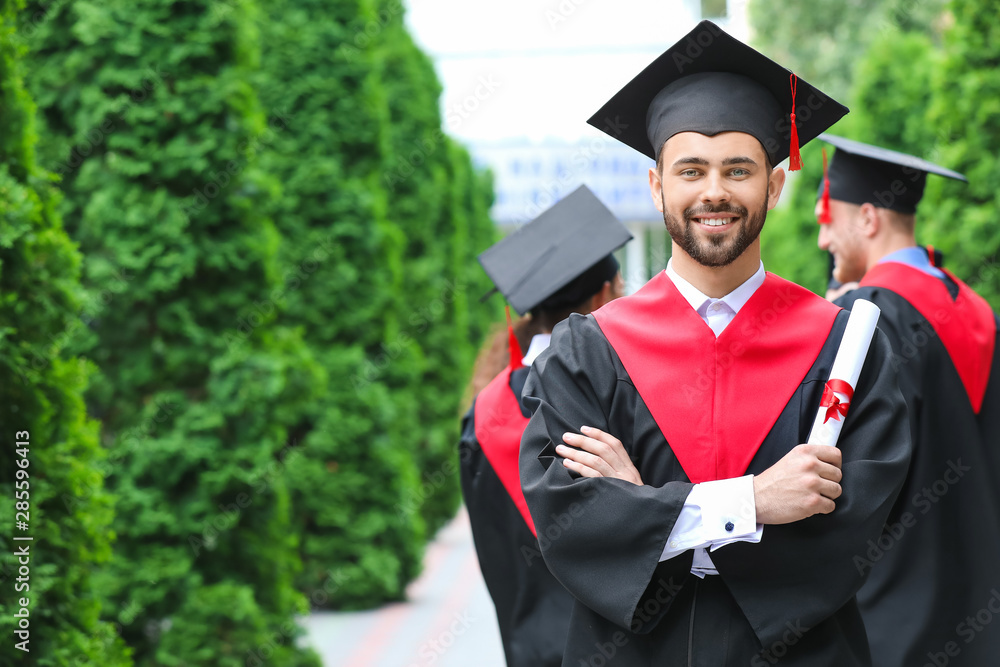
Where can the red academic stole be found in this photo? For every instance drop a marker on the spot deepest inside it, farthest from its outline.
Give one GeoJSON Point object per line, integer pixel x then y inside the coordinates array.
{"type": "Point", "coordinates": [716, 399]}
{"type": "Point", "coordinates": [499, 425]}
{"type": "Point", "coordinates": [966, 326]}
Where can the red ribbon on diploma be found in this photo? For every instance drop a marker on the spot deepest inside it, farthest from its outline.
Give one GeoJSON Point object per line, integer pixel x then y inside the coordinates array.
{"type": "Point", "coordinates": [834, 408]}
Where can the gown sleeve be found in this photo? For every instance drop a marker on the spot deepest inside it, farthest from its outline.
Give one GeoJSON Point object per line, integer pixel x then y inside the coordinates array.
{"type": "Point", "coordinates": [601, 537]}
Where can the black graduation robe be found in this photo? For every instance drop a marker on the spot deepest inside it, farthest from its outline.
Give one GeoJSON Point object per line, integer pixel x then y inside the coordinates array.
{"type": "Point", "coordinates": [729, 405]}
{"type": "Point", "coordinates": [533, 609]}
{"type": "Point", "coordinates": [935, 571]}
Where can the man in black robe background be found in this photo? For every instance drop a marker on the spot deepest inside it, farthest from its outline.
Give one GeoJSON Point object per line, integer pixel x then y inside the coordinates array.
{"type": "Point", "coordinates": [934, 586]}
{"type": "Point", "coordinates": [710, 377]}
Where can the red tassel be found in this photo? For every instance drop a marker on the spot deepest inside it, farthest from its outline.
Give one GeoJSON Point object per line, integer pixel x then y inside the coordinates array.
{"type": "Point", "coordinates": [824, 210]}
{"type": "Point", "coordinates": [930, 254]}
{"type": "Point", "coordinates": [794, 159]}
{"type": "Point", "coordinates": [515, 349]}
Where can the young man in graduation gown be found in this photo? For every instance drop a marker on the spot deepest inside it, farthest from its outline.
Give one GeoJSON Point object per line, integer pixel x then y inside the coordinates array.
{"type": "Point", "coordinates": [936, 566]}
{"type": "Point", "coordinates": [557, 264]}
{"type": "Point", "coordinates": [733, 543]}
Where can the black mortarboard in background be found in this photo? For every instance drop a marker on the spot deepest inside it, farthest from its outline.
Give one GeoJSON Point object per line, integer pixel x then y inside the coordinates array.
{"type": "Point", "coordinates": [709, 82]}
{"type": "Point", "coordinates": [561, 257]}
{"type": "Point", "coordinates": [865, 174]}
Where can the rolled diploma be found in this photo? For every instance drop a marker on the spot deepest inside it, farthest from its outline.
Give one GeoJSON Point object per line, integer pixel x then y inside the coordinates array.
{"type": "Point", "coordinates": [847, 367]}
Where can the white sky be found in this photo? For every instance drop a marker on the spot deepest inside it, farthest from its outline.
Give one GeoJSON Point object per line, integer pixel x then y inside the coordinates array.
{"type": "Point", "coordinates": [539, 68]}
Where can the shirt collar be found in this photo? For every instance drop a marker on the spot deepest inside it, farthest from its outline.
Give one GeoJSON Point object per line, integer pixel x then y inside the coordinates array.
{"type": "Point", "coordinates": [538, 344]}
{"type": "Point", "coordinates": [915, 257]}
{"type": "Point", "coordinates": [735, 299]}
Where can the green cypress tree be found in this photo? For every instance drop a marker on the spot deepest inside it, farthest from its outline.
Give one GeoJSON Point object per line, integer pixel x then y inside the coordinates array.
{"type": "Point", "coordinates": [372, 461]}
{"type": "Point", "coordinates": [51, 448]}
{"type": "Point", "coordinates": [889, 101]}
{"type": "Point", "coordinates": [441, 203]}
{"type": "Point", "coordinates": [156, 130]}
{"type": "Point", "coordinates": [351, 465]}
{"type": "Point", "coordinates": [965, 119]}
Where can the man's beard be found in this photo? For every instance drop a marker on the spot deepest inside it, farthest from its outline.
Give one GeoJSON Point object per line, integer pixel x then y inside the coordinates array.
{"type": "Point", "coordinates": [718, 250]}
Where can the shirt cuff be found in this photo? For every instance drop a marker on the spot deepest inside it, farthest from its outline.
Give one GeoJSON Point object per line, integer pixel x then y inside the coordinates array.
{"type": "Point", "coordinates": [728, 512]}
{"type": "Point", "coordinates": [715, 514]}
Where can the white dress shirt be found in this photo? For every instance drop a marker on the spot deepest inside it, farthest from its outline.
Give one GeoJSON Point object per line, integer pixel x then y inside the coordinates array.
{"type": "Point", "coordinates": [721, 512]}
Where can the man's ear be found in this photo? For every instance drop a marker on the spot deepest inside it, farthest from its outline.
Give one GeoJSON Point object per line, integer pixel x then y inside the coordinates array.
{"type": "Point", "coordinates": [656, 188]}
{"type": "Point", "coordinates": [775, 184]}
{"type": "Point", "coordinates": [871, 220]}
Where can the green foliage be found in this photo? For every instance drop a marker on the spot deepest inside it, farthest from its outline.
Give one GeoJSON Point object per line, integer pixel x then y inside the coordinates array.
{"type": "Point", "coordinates": [66, 508]}
{"type": "Point", "coordinates": [877, 57]}
{"type": "Point", "coordinates": [788, 242]}
{"type": "Point", "coordinates": [441, 204]}
{"type": "Point", "coordinates": [152, 123]}
{"type": "Point", "coordinates": [381, 217]}
{"type": "Point", "coordinates": [965, 118]}
{"type": "Point", "coordinates": [823, 42]}
{"type": "Point", "coordinates": [343, 265]}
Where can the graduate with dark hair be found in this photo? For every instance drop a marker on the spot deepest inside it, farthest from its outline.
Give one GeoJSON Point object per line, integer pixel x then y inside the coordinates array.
{"type": "Point", "coordinates": [664, 461]}
{"type": "Point", "coordinates": [937, 562]}
{"type": "Point", "coordinates": [559, 263]}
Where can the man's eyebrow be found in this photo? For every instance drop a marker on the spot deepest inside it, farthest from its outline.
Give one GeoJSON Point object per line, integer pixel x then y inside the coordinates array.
{"type": "Point", "coordinates": [691, 160]}
{"type": "Point", "coordinates": [739, 160]}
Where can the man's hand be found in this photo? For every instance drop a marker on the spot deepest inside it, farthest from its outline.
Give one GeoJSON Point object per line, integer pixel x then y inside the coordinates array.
{"type": "Point", "coordinates": [602, 455]}
{"type": "Point", "coordinates": [834, 294]}
{"type": "Point", "coordinates": [804, 482]}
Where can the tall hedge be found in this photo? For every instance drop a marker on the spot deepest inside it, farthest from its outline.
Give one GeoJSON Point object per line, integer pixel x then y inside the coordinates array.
{"type": "Point", "coordinates": [153, 124]}
{"type": "Point", "coordinates": [878, 57]}
{"type": "Point", "coordinates": [50, 446]}
{"type": "Point", "coordinates": [889, 100]}
{"type": "Point", "coordinates": [351, 464]}
{"type": "Point", "coordinates": [965, 119]}
{"type": "Point", "coordinates": [441, 203]}
{"type": "Point", "coordinates": [390, 273]}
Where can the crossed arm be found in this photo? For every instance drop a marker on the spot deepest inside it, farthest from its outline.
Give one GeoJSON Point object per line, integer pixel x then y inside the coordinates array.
{"type": "Point", "coordinates": [804, 482]}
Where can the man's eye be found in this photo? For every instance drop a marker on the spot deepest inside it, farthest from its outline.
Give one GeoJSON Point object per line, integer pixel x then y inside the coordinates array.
{"type": "Point", "coordinates": [689, 172]}
{"type": "Point", "coordinates": [740, 172]}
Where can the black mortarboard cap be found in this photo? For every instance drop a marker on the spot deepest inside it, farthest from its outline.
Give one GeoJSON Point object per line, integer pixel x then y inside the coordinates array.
{"type": "Point", "coordinates": [865, 174]}
{"type": "Point", "coordinates": [561, 257]}
{"type": "Point", "coordinates": [709, 82]}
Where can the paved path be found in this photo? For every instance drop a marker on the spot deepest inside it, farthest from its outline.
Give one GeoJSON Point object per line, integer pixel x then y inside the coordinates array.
{"type": "Point", "coordinates": [448, 620]}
